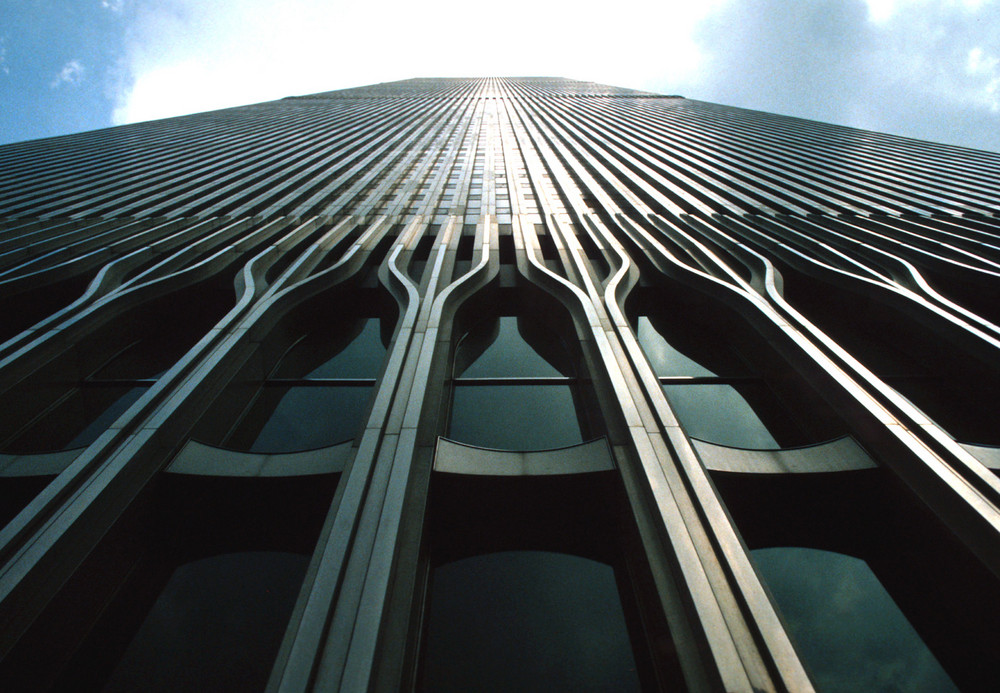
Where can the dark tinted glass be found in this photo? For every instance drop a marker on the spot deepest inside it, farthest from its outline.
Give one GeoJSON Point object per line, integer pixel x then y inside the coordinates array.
{"type": "Point", "coordinates": [79, 420]}
{"type": "Point", "coordinates": [344, 351]}
{"type": "Point", "coordinates": [216, 626]}
{"type": "Point", "coordinates": [501, 349]}
{"type": "Point", "coordinates": [940, 370]}
{"type": "Point", "coordinates": [289, 419]}
{"type": "Point", "coordinates": [148, 357]}
{"type": "Point", "coordinates": [686, 349]}
{"type": "Point", "coordinates": [847, 629]}
{"type": "Point", "coordinates": [92, 399]}
{"type": "Point", "coordinates": [720, 413]}
{"type": "Point", "coordinates": [515, 417]}
{"type": "Point", "coordinates": [541, 622]}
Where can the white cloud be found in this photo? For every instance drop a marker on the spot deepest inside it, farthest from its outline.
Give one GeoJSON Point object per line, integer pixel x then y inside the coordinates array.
{"type": "Point", "coordinates": [979, 62]}
{"type": "Point", "coordinates": [924, 68]}
{"type": "Point", "coordinates": [71, 73]}
{"type": "Point", "coordinates": [4, 67]}
{"type": "Point", "coordinates": [882, 11]}
{"type": "Point", "coordinates": [113, 5]}
{"type": "Point", "coordinates": [954, 62]}
{"type": "Point", "coordinates": [187, 55]}
{"type": "Point", "coordinates": [983, 68]}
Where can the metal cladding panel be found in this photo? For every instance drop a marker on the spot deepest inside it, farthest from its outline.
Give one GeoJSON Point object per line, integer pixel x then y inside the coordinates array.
{"type": "Point", "coordinates": [710, 289]}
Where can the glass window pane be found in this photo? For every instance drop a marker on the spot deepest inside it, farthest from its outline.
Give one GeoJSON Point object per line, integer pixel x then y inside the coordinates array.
{"type": "Point", "coordinates": [289, 419]}
{"type": "Point", "coordinates": [686, 349]}
{"type": "Point", "coordinates": [515, 417]}
{"type": "Point", "coordinates": [665, 359]}
{"type": "Point", "coordinates": [163, 331]}
{"type": "Point", "coordinates": [720, 414]}
{"type": "Point", "coordinates": [507, 353]}
{"type": "Point", "coordinates": [357, 352]}
{"type": "Point", "coordinates": [848, 630]}
{"type": "Point", "coordinates": [78, 421]}
{"type": "Point", "coordinates": [526, 621]}
{"type": "Point", "coordinates": [149, 357]}
{"type": "Point", "coordinates": [92, 399]}
{"type": "Point", "coordinates": [216, 626]}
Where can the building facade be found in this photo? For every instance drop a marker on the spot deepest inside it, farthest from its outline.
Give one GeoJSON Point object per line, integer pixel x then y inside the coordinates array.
{"type": "Point", "coordinates": [494, 384]}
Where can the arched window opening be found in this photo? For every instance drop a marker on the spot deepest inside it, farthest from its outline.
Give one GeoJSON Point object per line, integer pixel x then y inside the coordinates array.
{"type": "Point", "coordinates": [942, 371]}
{"type": "Point", "coordinates": [190, 590]}
{"type": "Point", "coordinates": [875, 591]}
{"type": "Point", "coordinates": [216, 625]}
{"type": "Point", "coordinates": [73, 399]}
{"type": "Point", "coordinates": [517, 385]}
{"type": "Point", "coordinates": [849, 632]}
{"type": "Point", "coordinates": [723, 380]}
{"type": "Point", "coordinates": [534, 585]}
{"type": "Point", "coordinates": [525, 621]}
{"type": "Point", "coordinates": [310, 383]}
{"type": "Point", "coordinates": [318, 393]}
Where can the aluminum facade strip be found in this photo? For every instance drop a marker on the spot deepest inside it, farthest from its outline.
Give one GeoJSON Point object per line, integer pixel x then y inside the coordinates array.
{"type": "Point", "coordinates": [437, 193]}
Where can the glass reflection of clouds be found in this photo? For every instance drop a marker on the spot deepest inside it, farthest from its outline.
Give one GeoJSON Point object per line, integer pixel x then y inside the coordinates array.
{"type": "Point", "coordinates": [710, 407]}
{"type": "Point", "coordinates": [847, 629]}
{"type": "Point", "coordinates": [665, 359]}
{"type": "Point", "coordinates": [361, 358]}
{"type": "Point", "coordinates": [515, 388]}
{"type": "Point", "coordinates": [720, 414]}
{"type": "Point", "coordinates": [509, 355]}
{"type": "Point", "coordinates": [310, 417]}
{"type": "Point", "coordinates": [216, 625]}
{"type": "Point", "coordinates": [542, 622]}
{"type": "Point", "coordinates": [515, 417]}
{"type": "Point", "coordinates": [318, 393]}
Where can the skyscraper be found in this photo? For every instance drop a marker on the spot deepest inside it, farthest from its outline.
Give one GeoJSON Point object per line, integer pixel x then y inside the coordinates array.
{"type": "Point", "coordinates": [494, 384]}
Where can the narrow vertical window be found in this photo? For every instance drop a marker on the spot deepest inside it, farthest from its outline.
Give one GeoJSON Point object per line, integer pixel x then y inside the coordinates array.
{"type": "Point", "coordinates": [531, 588]}
{"type": "Point", "coordinates": [318, 393]}
{"type": "Point", "coordinates": [849, 631]}
{"type": "Point", "coordinates": [73, 399]}
{"type": "Point", "coordinates": [515, 388]}
{"type": "Point", "coordinates": [725, 383]}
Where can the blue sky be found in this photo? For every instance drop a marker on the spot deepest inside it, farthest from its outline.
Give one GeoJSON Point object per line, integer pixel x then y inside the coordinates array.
{"type": "Point", "coordinates": [58, 67]}
{"type": "Point", "coordinates": [921, 68]}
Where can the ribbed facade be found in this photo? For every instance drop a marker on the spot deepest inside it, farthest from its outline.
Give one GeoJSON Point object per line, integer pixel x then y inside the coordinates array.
{"type": "Point", "coordinates": [339, 365]}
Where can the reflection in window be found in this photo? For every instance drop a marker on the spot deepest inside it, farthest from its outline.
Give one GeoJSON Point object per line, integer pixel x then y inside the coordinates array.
{"type": "Point", "coordinates": [667, 360]}
{"type": "Point", "coordinates": [720, 413]}
{"type": "Point", "coordinates": [216, 625]}
{"type": "Point", "coordinates": [945, 592]}
{"type": "Point", "coordinates": [515, 388]}
{"type": "Point", "coordinates": [504, 352]}
{"type": "Point", "coordinates": [717, 394]}
{"type": "Point", "coordinates": [83, 413]}
{"type": "Point", "coordinates": [951, 377]}
{"type": "Point", "coordinates": [193, 593]}
{"type": "Point", "coordinates": [519, 416]}
{"type": "Point", "coordinates": [538, 583]}
{"type": "Point", "coordinates": [73, 399]}
{"type": "Point", "coordinates": [317, 394]}
{"type": "Point", "coordinates": [541, 621]}
{"type": "Point", "coordinates": [848, 630]}
{"type": "Point", "coordinates": [708, 387]}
